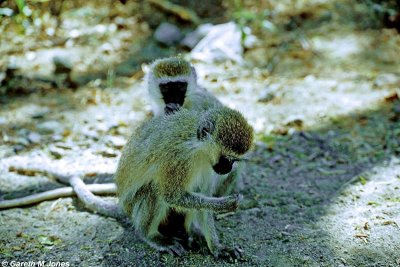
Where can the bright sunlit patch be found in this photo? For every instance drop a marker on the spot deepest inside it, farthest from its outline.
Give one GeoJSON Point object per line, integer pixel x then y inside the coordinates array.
{"type": "Point", "coordinates": [339, 47]}
{"type": "Point", "coordinates": [366, 211]}
{"type": "Point", "coordinates": [345, 100]}
{"type": "Point", "coordinates": [315, 98]}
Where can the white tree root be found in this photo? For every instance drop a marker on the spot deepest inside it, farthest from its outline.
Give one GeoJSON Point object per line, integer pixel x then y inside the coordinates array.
{"type": "Point", "coordinates": [98, 189]}
{"type": "Point", "coordinates": [83, 192]}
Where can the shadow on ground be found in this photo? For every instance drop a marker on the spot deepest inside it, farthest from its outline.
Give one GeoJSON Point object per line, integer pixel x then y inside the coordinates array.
{"type": "Point", "coordinates": [289, 185]}
{"type": "Point", "coordinates": [143, 51]}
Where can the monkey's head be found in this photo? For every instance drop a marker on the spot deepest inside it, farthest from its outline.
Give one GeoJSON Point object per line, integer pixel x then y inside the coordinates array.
{"type": "Point", "coordinates": [229, 132]}
{"type": "Point", "coordinates": [169, 81]}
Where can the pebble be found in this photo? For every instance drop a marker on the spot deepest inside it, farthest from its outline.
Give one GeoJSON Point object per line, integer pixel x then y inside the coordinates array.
{"type": "Point", "coordinates": [57, 137]}
{"type": "Point", "coordinates": [266, 97]}
{"type": "Point", "coordinates": [21, 141]}
{"type": "Point", "coordinates": [102, 127]}
{"type": "Point", "coordinates": [91, 134]}
{"type": "Point", "coordinates": [193, 38]}
{"type": "Point", "coordinates": [62, 64]}
{"type": "Point", "coordinates": [3, 121]}
{"type": "Point", "coordinates": [50, 127]}
{"type": "Point", "coordinates": [18, 148]}
{"type": "Point", "coordinates": [107, 152]}
{"type": "Point", "coordinates": [65, 145]}
{"type": "Point", "coordinates": [56, 152]}
{"type": "Point", "coordinates": [386, 79]}
{"type": "Point", "coordinates": [116, 141]}
{"type": "Point", "coordinates": [40, 114]}
{"type": "Point", "coordinates": [294, 121]}
{"type": "Point", "coordinates": [167, 34]}
{"type": "Point", "coordinates": [270, 92]}
{"type": "Point", "coordinates": [22, 132]}
{"type": "Point", "coordinates": [34, 138]}
{"type": "Point", "coordinates": [6, 151]}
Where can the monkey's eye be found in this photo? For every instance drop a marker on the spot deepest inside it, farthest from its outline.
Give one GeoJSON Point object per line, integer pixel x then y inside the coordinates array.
{"type": "Point", "coordinates": [205, 130]}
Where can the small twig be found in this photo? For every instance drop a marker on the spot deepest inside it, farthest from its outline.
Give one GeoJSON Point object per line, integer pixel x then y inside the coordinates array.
{"type": "Point", "coordinates": [361, 235]}
{"type": "Point", "coordinates": [223, 215]}
{"type": "Point", "coordinates": [177, 10]}
{"type": "Point", "coordinates": [305, 42]}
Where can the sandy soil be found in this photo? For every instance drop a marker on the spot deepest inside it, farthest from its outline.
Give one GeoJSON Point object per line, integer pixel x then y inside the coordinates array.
{"type": "Point", "coordinates": [322, 187]}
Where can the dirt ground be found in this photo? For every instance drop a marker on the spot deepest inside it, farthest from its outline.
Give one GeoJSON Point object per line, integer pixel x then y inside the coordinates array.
{"type": "Point", "coordinates": [322, 184]}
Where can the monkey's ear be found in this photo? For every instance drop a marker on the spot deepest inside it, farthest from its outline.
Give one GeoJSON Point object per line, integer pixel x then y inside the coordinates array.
{"type": "Point", "coordinates": [205, 130]}
{"type": "Point", "coordinates": [193, 72]}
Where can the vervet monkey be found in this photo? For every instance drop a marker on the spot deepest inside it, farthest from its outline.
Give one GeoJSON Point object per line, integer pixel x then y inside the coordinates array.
{"type": "Point", "coordinates": [168, 165]}
{"type": "Point", "coordinates": [172, 83]}
{"type": "Point", "coordinates": [197, 99]}
{"type": "Point", "coordinates": [182, 78]}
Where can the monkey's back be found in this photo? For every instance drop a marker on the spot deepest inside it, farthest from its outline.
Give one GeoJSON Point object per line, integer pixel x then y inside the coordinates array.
{"type": "Point", "coordinates": [162, 147]}
{"type": "Point", "coordinates": [201, 99]}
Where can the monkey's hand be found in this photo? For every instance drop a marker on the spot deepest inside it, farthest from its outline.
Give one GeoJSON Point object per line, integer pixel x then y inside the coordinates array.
{"type": "Point", "coordinates": [176, 249]}
{"type": "Point", "coordinates": [229, 254]}
{"type": "Point", "coordinates": [171, 108]}
{"type": "Point", "coordinates": [232, 202]}
{"type": "Point", "coordinates": [163, 244]}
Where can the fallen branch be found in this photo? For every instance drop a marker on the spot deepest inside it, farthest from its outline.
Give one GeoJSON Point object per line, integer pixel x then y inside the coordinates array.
{"type": "Point", "coordinates": [90, 201]}
{"type": "Point", "coordinates": [98, 189]}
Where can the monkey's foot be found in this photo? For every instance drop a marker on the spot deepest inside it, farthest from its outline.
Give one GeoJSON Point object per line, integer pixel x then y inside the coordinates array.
{"type": "Point", "coordinates": [229, 254]}
{"type": "Point", "coordinates": [196, 241]}
{"type": "Point", "coordinates": [172, 247]}
{"type": "Point", "coordinates": [176, 249]}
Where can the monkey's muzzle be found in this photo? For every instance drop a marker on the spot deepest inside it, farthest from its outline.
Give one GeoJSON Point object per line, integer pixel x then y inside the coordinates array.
{"type": "Point", "coordinates": [223, 166]}
{"type": "Point", "coordinates": [173, 92]}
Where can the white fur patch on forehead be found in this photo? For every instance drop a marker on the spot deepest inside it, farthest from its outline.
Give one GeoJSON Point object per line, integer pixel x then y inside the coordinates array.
{"type": "Point", "coordinates": [178, 78]}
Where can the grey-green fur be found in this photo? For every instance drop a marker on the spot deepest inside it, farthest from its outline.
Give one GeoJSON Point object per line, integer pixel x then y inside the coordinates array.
{"type": "Point", "coordinates": [165, 166]}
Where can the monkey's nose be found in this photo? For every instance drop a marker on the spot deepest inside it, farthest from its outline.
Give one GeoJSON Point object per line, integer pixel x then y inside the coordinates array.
{"type": "Point", "coordinates": [223, 166]}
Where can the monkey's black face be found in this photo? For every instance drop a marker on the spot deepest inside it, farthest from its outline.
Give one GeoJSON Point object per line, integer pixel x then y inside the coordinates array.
{"type": "Point", "coordinates": [224, 165]}
{"type": "Point", "coordinates": [173, 94]}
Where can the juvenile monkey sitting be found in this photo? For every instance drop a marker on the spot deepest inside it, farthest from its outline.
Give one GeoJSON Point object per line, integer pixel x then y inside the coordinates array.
{"type": "Point", "coordinates": [172, 84]}
{"type": "Point", "coordinates": [168, 163]}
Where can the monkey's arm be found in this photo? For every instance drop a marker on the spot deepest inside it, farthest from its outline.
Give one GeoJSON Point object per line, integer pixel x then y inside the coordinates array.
{"type": "Point", "coordinates": [191, 200]}
{"type": "Point", "coordinates": [232, 183]}
{"type": "Point", "coordinates": [84, 194]}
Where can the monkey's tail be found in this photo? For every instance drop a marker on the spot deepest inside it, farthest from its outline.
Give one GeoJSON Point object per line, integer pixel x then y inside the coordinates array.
{"type": "Point", "coordinates": [93, 202]}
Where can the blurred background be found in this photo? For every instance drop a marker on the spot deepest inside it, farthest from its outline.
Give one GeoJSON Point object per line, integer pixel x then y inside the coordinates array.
{"type": "Point", "coordinates": [319, 80]}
